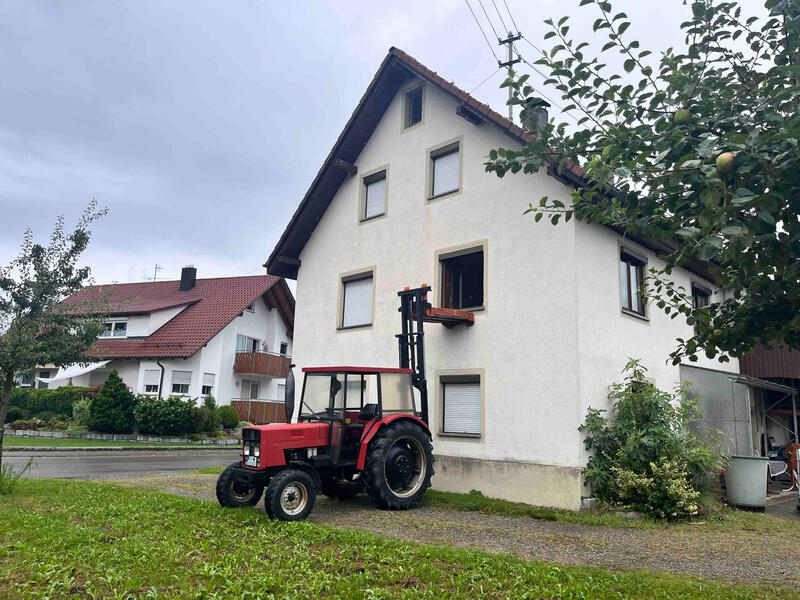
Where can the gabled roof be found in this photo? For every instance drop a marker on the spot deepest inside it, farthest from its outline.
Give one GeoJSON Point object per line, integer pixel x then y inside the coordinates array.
{"type": "Point", "coordinates": [395, 70]}
{"type": "Point", "coordinates": [210, 306]}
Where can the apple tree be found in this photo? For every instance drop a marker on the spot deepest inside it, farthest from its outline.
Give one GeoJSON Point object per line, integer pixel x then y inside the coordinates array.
{"type": "Point", "coordinates": [696, 147]}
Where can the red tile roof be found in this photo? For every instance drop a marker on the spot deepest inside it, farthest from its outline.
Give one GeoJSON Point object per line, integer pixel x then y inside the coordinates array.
{"type": "Point", "coordinates": [211, 305]}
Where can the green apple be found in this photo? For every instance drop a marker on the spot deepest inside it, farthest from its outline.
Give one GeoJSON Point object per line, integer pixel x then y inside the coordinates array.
{"type": "Point", "coordinates": [725, 163]}
{"type": "Point", "coordinates": [682, 116]}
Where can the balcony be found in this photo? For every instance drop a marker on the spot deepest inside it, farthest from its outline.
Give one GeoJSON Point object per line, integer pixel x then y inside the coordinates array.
{"type": "Point", "coordinates": [261, 363]}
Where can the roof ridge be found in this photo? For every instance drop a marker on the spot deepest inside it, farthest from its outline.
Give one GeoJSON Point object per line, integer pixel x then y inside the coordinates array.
{"type": "Point", "coordinates": [178, 280]}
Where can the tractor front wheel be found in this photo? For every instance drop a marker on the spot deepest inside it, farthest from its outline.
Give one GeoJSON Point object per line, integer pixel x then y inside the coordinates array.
{"type": "Point", "coordinates": [399, 466]}
{"type": "Point", "coordinates": [290, 495]}
{"type": "Point", "coordinates": [233, 494]}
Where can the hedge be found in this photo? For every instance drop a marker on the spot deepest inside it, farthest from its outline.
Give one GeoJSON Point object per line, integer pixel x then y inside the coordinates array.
{"type": "Point", "coordinates": [167, 416]}
{"type": "Point", "coordinates": [58, 400]}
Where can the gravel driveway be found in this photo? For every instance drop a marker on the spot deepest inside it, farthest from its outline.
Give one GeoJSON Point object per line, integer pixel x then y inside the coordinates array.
{"type": "Point", "coordinates": [746, 556]}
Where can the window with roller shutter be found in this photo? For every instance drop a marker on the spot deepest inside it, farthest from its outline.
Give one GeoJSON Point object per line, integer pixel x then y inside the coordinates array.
{"type": "Point", "coordinates": [461, 405]}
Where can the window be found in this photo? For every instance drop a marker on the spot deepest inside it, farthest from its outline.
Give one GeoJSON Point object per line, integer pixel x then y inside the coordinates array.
{"type": "Point", "coordinates": [251, 307]}
{"type": "Point", "coordinates": [445, 170]}
{"type": "Point", "coordinates": [462, 285]}
{"type": "Point", "coordinates": [208, 384]}
{"type": "Point", "coordinates": [701, 296]}
{"type": "Point", "coordinates": [412, 112]}
{"type": "Point", "coordinates": [250, 389]}
{"type": "Point", "coordinates": [461, 405]}
{"type": "Point", "coordinates": [27, 379]}
{"type": "Point", "coordinates": [98, 377]}
{"type": "Point", "coordinates": [357, 300]}
{"type": "Point", "coordinates": [374, 194]}
{"type": "Point", "coordinates": [43, 385]}
{"type": "Point", "coordinates": [284, 348]}
{"type": "Point", "coordinates": [115, 329]}
{"type": "Point", "coordinates": [247, 344]}
{"type": "Point", "coordinates": [152, 379]}
{"type": "Point", "coordinates": [631, 275]}
{"type": "Point", "coordinates": [181, 380]}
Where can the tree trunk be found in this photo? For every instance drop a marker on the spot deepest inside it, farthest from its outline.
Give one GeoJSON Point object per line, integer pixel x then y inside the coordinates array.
{"type": "Point", "coordinates": [8, 384]}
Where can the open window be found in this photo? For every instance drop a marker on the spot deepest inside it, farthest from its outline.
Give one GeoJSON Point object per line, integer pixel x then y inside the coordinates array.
{"type": "Point", "coordinates": [701, 296]}
{"type": "Point", "coordinates": [412, 108]}
{"type": "Point", "coordinates": [631, 275]}
{"type": "Point", "coordinates": [462, 279]}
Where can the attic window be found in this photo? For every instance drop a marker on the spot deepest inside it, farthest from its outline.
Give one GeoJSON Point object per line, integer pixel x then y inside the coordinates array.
{"type": "Point", "coordinates": [251, 307]}
{"type": "Point", "coordinates": [374, 204]}
{"type": "Point", "coordinates": [115, 329]}
{"type": "Point", "coordinates": [445, 170]}
{"type": "Point", "coordinates": [631, 276]}
{"type": "Point", "coordinates": [412, 113]}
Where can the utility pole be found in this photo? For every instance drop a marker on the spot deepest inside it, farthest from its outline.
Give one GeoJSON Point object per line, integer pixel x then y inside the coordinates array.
{"type": "Point", "coordinates": [511, 61]}
{"type": "Point", "coordinates": [156, 269]}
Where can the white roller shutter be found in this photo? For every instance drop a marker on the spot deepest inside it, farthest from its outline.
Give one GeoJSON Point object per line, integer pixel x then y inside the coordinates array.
{"type": "Point", "coordinates": [357, 302]}
{"type": "Point", "coordinates": [181, 377]}
{"type": "Point", "coordinates": [208, 379]}
{"type": "Point", "coordinates": [462, 407]}
{"type": "Point", "coordinates": [445, 173]}
{"type": "Point", "coordinates": [375, 202]}
{"type": "Point", "coordinates": [152, 377]}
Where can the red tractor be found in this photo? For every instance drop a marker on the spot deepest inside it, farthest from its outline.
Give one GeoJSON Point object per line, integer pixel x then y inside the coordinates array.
{"type": "Point", "coordinates": [358, 429]}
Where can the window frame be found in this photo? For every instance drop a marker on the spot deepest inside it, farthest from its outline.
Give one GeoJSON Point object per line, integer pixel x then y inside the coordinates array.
{"type": "Point", "coordinates": [455, 145]}
{"type": "Point", "coordinates": [639, 262]}
{"type": "Point", "coordinates": [446, 376]}
{"type": "Point", "coordinates": [284, 348]}
{"type": "Point", "coordinates": [114, 323]}
{"type": "Point", "coordinates": [345, 278]}
{"type": "Point", "coordinates": [172, 383]}
{"type": "Point", "coordinates": [373, 175]}
{"type": "Point", "coordinates": [460, 250]}
{"type": "Point", "coordinates": [251, 308]}
{"type": "Point", "coordinates": [404, 115]}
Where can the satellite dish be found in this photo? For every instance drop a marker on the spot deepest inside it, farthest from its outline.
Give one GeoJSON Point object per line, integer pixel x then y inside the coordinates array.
{"type": "Point", "coordinates": [288, 400]}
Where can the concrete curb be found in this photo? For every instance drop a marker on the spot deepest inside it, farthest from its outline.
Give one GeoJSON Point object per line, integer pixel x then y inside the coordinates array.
{"type": "Point", "coordinates": [12, 449]}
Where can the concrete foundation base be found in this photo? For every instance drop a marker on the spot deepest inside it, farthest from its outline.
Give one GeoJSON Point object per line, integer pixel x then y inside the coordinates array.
{"type": "Point", "coordinates": [541, 485]}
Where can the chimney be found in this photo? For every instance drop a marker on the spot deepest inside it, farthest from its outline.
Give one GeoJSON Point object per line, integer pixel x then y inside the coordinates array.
{"type": "Point", "coordinates": [536, 114]}
{"type": "Point", "coordinates": [188, 278]}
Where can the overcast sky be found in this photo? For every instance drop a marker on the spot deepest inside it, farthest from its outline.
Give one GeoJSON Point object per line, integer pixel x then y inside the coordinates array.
{"type": "Point", "coordinates": [200, 125]}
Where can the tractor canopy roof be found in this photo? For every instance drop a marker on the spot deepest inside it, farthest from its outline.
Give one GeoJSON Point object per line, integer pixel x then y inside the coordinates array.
{"type": "Point", "coordinates": [354, 370]}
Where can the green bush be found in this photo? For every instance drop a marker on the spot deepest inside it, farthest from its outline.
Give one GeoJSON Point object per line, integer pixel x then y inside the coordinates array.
{"type": "Point", "coordinates": [58, 400]}
{"type": "Point", "coordinates": [204, 420]}
{"type": "Point", "coordinates": [82, 412]}
{"type": "Point", "coordinates": [77, 429]}
{"type": "Point", "coordinates": [112, 408]}
{"type": "Point", "coordinates": [14, 413]}
{"type": "Point", "coordinates": [48, 416]}
{"type": "Point", "coordinates": [644, 455]}
{"type": "Point", "coordinates": [228, 417]}
{"type": "Point", "coordinates": [168, 416]}
{"type": "Point", "coordinates": [209, 402]}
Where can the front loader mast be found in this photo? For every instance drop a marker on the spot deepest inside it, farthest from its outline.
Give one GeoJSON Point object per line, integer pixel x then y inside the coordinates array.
{"type": "Point", "coordinates": [411, 342]}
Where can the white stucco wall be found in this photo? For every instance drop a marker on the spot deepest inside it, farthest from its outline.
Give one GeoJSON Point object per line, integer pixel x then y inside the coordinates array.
{"type": "Point", "coordinates": [551, 337]}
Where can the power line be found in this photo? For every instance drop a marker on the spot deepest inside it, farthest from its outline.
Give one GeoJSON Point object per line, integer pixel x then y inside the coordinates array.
{"type": "Point", "coordinates": [512, 16]}
{"type": "Point", "coordinates": [543, 95]}
{"type": "Point", "coordinates": [488, 19]}
{"type": "Point", "coordinates": [502, 21]}
{"type": "Point", "coordinates": [485, 80]}
{"type": "Point", "coordinates": [483, 33]}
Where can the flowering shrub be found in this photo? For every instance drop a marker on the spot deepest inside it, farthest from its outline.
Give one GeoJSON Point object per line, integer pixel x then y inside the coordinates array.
{"type": "Point", "coordinates": [644, 455]}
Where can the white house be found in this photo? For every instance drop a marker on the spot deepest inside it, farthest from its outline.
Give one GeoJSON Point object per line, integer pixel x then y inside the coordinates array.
{"type": "Point", "coordinates": [230, 337]}
{"type": "Point", "coordinates": [403, 199]}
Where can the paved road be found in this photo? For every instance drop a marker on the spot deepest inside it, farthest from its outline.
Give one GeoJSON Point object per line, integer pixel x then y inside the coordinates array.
{"type": "Point", "coordinates": [117, 464]}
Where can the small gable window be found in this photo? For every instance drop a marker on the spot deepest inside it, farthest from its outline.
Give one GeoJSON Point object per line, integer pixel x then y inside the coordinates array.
{"type": "Point", "coordinates": [445, 170]}
{"type": "Point", "coordinates": [412, 113]}
{"type": "Point", "coordinates": [374, 195]}
{"type": "Point", "coordinates": [115, 329]}
{"type": "Point", "coordinates": [631, 277]}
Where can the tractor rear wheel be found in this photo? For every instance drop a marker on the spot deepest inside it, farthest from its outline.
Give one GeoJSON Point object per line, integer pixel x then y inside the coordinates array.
{"type": "Point", "coordinates": [399, 466]}
{"type": "Point", "coordinates": [290, 495]}
{"type": "Point", "coordinates": [233, 494]}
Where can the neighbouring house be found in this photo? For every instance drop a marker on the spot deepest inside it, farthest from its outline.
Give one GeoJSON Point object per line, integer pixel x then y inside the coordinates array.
{"type": "Point", "coordinates": [229, 337]}
{"type": "Point", "coordinates": [403, 199]}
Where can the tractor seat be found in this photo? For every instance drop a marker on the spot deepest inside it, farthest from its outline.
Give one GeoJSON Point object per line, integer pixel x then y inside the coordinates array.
{"type": "Point", "coordinates": [368, 412]}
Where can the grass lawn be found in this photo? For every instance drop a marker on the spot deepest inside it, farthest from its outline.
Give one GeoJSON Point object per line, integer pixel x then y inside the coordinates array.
{"type": "Point", "coordinates": [43, 442]}
{"type": "Point", "coordinates": [64, 539]}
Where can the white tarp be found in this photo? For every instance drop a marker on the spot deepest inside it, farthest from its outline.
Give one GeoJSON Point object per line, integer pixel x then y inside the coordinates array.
{"type": "Point", "coordinates": [73, 371]}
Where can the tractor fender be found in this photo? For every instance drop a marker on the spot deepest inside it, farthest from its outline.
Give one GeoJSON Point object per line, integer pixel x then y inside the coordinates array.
{"type": "Point", "coordinates": [374, 426]}
{"type": "Point", "coordinates": [310, 469]}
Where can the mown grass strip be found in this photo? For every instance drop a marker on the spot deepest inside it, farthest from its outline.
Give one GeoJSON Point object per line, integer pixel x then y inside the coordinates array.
{"type": "Point", "coordinates": [64, 539]}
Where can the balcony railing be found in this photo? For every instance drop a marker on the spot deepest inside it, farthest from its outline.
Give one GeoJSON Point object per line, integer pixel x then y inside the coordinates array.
{"type": "Point", "coordinates": [259, 411]}
{"type": "Point", "coordinates": [262, 363]}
